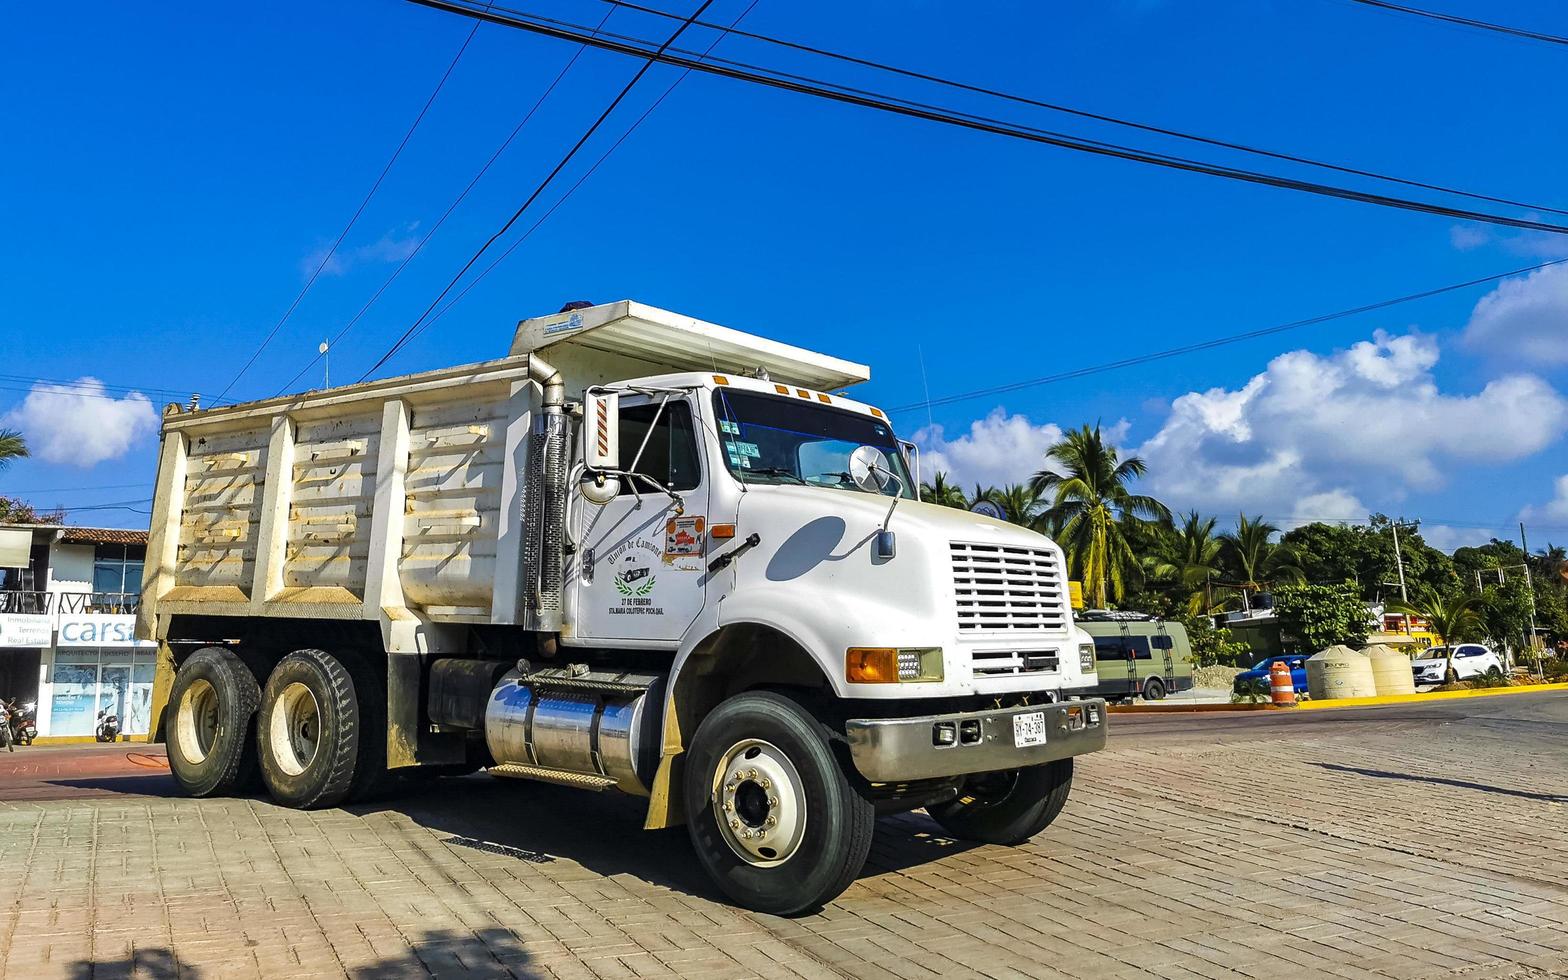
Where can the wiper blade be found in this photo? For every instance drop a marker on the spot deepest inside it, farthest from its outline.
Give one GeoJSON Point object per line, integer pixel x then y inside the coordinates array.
{"type": "Point", "coordinates": [777, 471]}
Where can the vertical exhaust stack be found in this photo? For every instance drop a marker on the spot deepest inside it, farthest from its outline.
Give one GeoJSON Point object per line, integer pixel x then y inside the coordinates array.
{"type": "Point", "coordinates": [544, 502]}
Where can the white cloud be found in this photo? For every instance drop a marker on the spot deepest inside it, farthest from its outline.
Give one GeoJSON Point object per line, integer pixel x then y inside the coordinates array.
{"type": "Point", "coordinates": [1366, 423]}
{"type": "Point", "coordinates": [81, 424]}
{"type": "Point", "coordinates": [390, 247]}
{"type": "Point", "coordinates": [1467, 237]}
{"type": "Point", "coordinates": [1338, 504]}
{"type": "Point", "coordinates": [1524, 320]}
{"type": "Point", "coordinates": [997, 450]}
{"type": "Point", "coordinates": [1555, 509]}
{"type": "Point", "coordinates": [1446, 538]}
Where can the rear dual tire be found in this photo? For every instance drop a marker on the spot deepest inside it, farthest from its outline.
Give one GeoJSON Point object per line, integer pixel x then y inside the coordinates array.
{"type": "Point", "coordinates": [310, 732]}
{"type": "Point", "coordinates": [211, 732]}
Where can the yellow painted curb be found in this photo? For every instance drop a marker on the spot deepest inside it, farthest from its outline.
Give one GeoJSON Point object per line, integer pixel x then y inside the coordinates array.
{"type": "Point", "coordinates": [1172, 709]}
{"type": "Point", "coordinates": [1308, 705]}
{"type": "Point", "coordinates": [1429, 696]}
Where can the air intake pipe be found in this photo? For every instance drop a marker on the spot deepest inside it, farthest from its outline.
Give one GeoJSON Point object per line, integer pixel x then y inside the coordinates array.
{"type": "Point", "coordinates": [544, 501]}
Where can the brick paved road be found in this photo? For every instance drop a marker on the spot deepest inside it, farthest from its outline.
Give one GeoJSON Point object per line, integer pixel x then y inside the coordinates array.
{"type": "Point", "coordinates": [1205, 846]}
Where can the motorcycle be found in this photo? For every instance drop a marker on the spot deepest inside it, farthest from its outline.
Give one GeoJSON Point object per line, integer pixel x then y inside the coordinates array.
{"type": "Point", "coordinates": [24, 723]}
{"type": "Point", "coordinates": [108, 727]}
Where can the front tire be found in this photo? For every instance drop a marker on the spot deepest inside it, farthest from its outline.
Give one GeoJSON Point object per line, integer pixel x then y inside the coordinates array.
{"type": "Point", "coordinates": [212, 712]}
{"type": "Point", "coordinates": [1007, 807]}
{"type": "Point", "coordinates": [309, 731]}
{"type": "Point", "coordinates": [1154, 690]}
{"type": "Point", "coordinates": [772, 815]}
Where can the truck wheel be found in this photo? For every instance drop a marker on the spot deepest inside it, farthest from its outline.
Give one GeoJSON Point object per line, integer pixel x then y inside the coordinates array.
{"type": "Point", "coordinates": [1007, 807]}
{"type": "Point", "coordinates": [1154, 690]}
{"type": "Point", "coordinates": [309, 731]}
{"type": "Point", "coordinates": [212, 713]}
{"type": "Point", "coordinates": [772, 816]}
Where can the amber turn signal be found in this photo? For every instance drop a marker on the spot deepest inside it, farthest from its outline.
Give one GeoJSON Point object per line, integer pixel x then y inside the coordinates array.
{"type": "Point", "coordinates": [722, 530]}
{"type": "Point", "coordinates": [871, 665]}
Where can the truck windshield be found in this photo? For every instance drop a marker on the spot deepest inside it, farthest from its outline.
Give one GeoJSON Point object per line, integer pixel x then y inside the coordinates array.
{"type": "Point", "coordinates": [785, 440]}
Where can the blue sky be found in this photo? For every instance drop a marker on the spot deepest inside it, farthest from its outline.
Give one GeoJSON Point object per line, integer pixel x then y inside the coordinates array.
{"type": "Point", "coordinates": [173, 168]}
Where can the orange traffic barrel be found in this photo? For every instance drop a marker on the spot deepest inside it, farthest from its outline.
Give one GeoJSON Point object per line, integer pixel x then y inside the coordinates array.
{"type": "Point", "coordinates": [1282, 690]}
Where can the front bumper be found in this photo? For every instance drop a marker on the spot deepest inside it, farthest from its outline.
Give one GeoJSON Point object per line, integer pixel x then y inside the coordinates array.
{"type": "Point", "coordinates": [901, 750]}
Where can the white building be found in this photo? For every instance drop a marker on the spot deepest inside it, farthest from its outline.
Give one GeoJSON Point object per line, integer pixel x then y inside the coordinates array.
{"type": "Point", "coordinates": [67, 640]}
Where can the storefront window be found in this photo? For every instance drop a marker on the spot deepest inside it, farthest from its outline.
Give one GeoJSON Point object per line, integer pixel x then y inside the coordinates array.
{"type": "Point", "coordinates": [86, 682]}
{"type": "Point", "coordinates": [74, 692]}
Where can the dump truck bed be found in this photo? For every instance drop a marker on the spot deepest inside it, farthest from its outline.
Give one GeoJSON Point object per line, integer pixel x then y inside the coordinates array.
{"type": "Point", "coordinates": [398, 500]}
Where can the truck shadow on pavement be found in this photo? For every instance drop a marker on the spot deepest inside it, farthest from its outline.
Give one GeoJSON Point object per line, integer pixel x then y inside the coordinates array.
{"type": "Point", "coordinates": [604, 834]}
{"type": "Point", "coordinates": [539, 823]}
{"type": "Point", "coordinates": [1441, 781]}
{"type": "Point", "coordinates": [484, 952]}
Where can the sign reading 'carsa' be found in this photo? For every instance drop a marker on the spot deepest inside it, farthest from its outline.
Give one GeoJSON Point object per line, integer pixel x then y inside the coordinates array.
{"type": "Point", "coordinates": [99, 631]}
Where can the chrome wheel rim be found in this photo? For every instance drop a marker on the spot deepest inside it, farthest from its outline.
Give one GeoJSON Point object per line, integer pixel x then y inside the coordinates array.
{"type": "Point", "coordinates": [759, 803]}
{"type": "Point", "coordinates": [295, 731]}
{"type": "Point", "coordinates": [197, 727]}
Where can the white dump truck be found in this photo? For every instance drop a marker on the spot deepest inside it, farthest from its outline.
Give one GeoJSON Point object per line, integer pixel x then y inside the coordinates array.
{"type": "Point", "coordinates": [641, 552]}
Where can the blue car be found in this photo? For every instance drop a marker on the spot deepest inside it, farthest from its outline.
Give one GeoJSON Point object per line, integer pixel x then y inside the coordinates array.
{"type": "Point", "coordinates": [1257, 679]}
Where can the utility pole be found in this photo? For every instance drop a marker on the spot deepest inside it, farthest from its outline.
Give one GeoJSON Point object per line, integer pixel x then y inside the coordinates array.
{"type": "Point", "coordinates": [1529, 587]}
{"type": "Point", "coordinates": [1399, 560]}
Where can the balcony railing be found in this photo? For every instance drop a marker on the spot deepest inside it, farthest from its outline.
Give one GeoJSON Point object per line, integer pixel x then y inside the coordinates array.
{"type": "Point", "coordinates": [71, 603]}
{"type": "Point", "coordinates": [26, 603]}
{"type": "Point", "coordinates": [68, 603]}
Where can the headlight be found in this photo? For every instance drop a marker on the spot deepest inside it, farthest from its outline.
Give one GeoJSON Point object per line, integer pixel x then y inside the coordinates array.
{"type": "Point", "coordinates": [1086, 657]}
{"type": "Point", "coordinates": [889, 665]}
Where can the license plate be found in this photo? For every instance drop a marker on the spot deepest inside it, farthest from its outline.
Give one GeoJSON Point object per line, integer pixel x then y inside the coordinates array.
{"type": "Point", "coordinates": [1029, 729]}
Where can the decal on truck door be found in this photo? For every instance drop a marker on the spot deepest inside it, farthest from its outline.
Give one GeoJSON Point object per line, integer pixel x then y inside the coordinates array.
{"type": "Point", "coordinates": [683, 536]}
{"type": "Point", "coordinates": [633, 566]}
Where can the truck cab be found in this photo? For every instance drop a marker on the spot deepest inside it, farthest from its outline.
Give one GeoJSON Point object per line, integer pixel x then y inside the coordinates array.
{"type": "Point", "coordinates": [642, 553]}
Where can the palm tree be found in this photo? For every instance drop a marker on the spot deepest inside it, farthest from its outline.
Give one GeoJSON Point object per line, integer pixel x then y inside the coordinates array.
{"type": "Point", "coordinates": [940, 491]}
{"type": "Point", "coordinates": [1452, 620]}
{"type": "Point", "coordinates": [12, 446]}
{"type": "Point", "coordinates": [1256, 560]}
{"type": "Point", "coordinates": [1090, 505]}
{"type": "Point", "coordinates": [1190, 556]}
{"type": "Point", "coordinates": [1018, 501]}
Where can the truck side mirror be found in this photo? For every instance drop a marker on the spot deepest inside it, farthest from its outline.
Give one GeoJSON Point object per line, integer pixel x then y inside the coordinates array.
{"type": "Point", "coordinates": [601, 430]}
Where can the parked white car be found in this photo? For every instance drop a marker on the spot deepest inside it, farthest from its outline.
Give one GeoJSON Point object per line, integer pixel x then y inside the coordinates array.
{"type": "Point", "coordinates": [1470, 660]}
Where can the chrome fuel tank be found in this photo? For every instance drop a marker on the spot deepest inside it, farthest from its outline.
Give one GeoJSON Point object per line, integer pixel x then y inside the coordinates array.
{"type": "Point", "coordinates": [595, 723]}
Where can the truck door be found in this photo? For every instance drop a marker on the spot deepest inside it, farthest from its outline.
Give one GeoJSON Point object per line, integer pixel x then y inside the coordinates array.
{"type": "Point", "coordinates": [640, 562]}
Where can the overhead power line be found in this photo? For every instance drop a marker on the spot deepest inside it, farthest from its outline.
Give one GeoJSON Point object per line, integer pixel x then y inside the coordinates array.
{"type": "Point", "coordinates": [453, 206]}
{"type": "Point", "coordinates": [827, 90]}
{"type": "Point", "coordinates": [580, 180]}
{"type": "Point", "coordinates": [1466, 21]}
{"type": "Point", "coordinates": [649, 60]}
{"type": "Point", "coordinates": [354, 219]}
{"type": "Point", "coordinates": [1216, 342]}
{"type": "Point", "coordinates": [1084, 113]}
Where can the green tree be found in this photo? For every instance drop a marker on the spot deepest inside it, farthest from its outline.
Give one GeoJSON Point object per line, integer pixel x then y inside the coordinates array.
{"type": "Point", "coordinates": [1322, 615]}
{"type": "Point", "coordinates": [1091, 503]}
{"type": "Point", "coordinates": [1213, 645]}
{"type": "Point", "coordinates": [1453, 619]}
{"type": "Point", "coordinates": [940, 491]}
{"type": "Point", "coordinates": [1255, 560]}
{"type": "Point", "coordinates": [12, 446]}
{"type": "Point", "coordinates": [1188, 556]}
{"type": "Point", "coordinates": [1019, 502]}
{"type": "Point", "coordinates": [14, 511]}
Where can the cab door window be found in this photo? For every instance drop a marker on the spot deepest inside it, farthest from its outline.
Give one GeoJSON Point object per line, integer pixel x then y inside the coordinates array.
{"type": "Point", "coordinates": [670, 457]}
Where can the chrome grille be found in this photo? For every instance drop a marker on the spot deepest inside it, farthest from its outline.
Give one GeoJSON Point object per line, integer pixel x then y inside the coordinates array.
{"type": "Point", "coordinates": [1003, 663]}
{"type": "Point", "coordinates": [1007, 587]}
